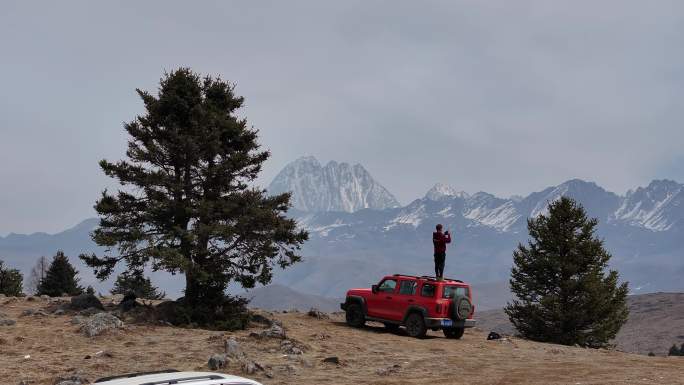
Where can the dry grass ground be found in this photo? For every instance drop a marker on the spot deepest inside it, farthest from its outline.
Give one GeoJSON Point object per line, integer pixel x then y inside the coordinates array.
{"type": "Point", "coordinates": [58, 349]}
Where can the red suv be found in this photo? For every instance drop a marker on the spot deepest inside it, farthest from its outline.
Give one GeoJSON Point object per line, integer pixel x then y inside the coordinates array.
{"type": "Point", "coordinates": [417, 303]}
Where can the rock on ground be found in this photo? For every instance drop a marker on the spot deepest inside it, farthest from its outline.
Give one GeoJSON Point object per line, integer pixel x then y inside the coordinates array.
{"type": "Point", "coordinates": [233, 349]}
{"type": "Point", "coordinates": [388, 370]}
{"type": "Point", "coordinates": [34, 312]}
{"type": "Point", "coordinates": [332, 360]}
{"type": "Point", "coordinates": [100, 323]}
{"type": "Point", "coordinates": [275, 331]}
{"type": "Point", "coordinates": [85, 301]}
{"type": "Point", "coordinates": [72, 380]}
{"type": "Point", "coordinates": [7, 322]}
{"type": "Point", "coordinates": [90, 311]}
{"type": "Point", "coordinates": [315, 313]}
{"type": "Point", "coordinates": [218, 361]}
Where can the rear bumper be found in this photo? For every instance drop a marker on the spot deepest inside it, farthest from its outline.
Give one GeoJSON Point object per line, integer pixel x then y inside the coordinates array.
{"type": "Point", "coordinates": [343, 306]}
{"type": "Point", "coordinates": [433, 323]}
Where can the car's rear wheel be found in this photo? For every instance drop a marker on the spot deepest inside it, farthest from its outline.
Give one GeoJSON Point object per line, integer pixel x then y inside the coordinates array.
{"type": "Point", "coordinates": [355, 316]}
{"type": "Point", "coordinates": [415, 325]}
{"type": "Point", "coordinates": [455, 333]}
{"type": "Point", "coordinates": [391, 327]}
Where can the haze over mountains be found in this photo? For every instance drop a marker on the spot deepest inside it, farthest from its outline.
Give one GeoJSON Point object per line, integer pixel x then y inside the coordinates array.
{"type": "Point", "coordinates": [359, 232]}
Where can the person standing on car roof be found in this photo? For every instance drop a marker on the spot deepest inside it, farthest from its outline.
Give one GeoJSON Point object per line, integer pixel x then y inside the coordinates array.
{"type": "Point", "coordinates": [440, 240]}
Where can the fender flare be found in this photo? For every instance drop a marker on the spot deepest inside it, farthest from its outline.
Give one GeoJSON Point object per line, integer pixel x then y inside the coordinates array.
{"type": "Point", "coordinates": [358, 300]}
{"type": "Point", "coordinates": [415, 309]}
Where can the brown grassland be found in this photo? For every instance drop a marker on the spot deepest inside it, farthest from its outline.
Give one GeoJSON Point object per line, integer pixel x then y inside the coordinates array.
{"type": "Point", "coordinates": [57, 349]}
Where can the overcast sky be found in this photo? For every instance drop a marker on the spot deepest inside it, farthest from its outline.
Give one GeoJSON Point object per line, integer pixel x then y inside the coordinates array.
{"type": "Point", "coordinates": [506, 97]}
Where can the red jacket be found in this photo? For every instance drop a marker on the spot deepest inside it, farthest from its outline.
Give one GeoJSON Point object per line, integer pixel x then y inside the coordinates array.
{"type": "Point", "coordinates": [440, 240]}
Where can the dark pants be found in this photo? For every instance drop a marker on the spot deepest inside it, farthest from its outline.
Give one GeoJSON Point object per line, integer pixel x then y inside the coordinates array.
{"type": "Point", "coordinates": [439, 264]}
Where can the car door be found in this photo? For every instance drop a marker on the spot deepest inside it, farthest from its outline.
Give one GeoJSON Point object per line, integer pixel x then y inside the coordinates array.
{"type": "Point", "coordinates": [405, 297]}
{"type": "Point", "coordinates": [380, 303]}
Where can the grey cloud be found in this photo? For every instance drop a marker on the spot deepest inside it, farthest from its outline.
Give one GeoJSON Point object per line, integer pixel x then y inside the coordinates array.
{"type": "Point", "coordinates": [506, 97]}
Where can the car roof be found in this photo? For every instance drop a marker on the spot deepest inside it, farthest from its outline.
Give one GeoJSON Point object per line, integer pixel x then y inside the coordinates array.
{"type": "Point", "coordinates": [428, 279]}
{"type": "Point", "coordinates": [187, 378]}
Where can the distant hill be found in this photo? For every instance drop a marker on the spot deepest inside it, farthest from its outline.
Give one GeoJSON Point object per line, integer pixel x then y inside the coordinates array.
{"type": "Point", "coordinates": [278, 297]}
{"type": "Point", "coordinates": [656, 321]}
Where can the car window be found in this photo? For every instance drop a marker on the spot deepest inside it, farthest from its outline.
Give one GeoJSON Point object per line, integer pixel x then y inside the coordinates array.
{"type": "Point", "coordinates": [451, 291]}
{"type": "Point", "coordinates": [408, 287]}
{"type": "Point", "coordinates": [427, 290]}
{"type": "Point", "coordinates": [387, 286]}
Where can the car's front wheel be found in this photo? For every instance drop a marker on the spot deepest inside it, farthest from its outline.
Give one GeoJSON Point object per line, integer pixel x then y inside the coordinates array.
{"type": "Point", "coordinates": [455, 333]}
{"type": "Point", "coordinates": [415, 325]}
{"type": "Point", "coordinates": [354, 316]}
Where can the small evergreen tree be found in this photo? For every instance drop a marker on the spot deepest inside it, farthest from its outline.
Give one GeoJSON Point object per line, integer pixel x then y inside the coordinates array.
{"type": "Point", "coordinates": [135, 282]}
{"type": "Point", "coordinates": [10, 281]}
{"type": "Point", "coordinates": [674, 351]}
{"type": "Point", "coordinates": [90, 290]}
{"type": "Point", "coordinates": [60, 278]}
{"type": "Point", "coordinates": [651, 354]}
{"type": "Point", "coordinates": [563, 294]}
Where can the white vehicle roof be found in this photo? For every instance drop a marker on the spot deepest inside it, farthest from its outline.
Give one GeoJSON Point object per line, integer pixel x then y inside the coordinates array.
{"type": "Point", "coordinates": [180, 378]}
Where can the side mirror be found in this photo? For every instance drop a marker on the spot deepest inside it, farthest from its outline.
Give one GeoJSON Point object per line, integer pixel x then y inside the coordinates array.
{"type": "Point", "coordinates": [374, 289]}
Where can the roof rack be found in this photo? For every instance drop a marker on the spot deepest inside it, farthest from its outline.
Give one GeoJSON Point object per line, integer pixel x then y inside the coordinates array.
{"type": "Point", "coordinates": [131, 375]}
{"type": "Point", "coordinates": [406, 275]}
{"type": "Point", "coordinates": [428, 277]}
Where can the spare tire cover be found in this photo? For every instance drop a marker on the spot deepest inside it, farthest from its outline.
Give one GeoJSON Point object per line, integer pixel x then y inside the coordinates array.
{"type": "Point", "coordinates": [462, 308]}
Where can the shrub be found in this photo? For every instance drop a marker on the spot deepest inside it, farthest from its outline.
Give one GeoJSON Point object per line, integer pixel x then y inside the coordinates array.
{"type": "Point", "coordinates": [10, 281]}
{"type": "Point", "coordinates": [134, 281]}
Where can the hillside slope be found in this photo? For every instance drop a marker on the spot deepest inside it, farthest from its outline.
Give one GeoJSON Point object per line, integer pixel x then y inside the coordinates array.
{"type": "Point", "coordinates": [366, 356]}
{"type": "Point", "coordinates": [277, 297]}
{"type": "Point", "coordinates": [656, 321]}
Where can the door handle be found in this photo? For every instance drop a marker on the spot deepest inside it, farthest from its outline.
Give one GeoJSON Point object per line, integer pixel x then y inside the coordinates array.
{"type": "Point", "coordinates": [410, 300]}
{"type": "Point", "coordinates": [388, 297]}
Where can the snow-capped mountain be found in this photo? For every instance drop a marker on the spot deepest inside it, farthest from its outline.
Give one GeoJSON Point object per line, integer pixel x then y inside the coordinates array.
{"type": "Point", "coordinates": [642, 229]}
{"type": "Point", "coordinates": [333, 187]}
{"type": "Point", "coordinates": [657, 207]}
{"type": "Point", "coordinates": [441, 191]}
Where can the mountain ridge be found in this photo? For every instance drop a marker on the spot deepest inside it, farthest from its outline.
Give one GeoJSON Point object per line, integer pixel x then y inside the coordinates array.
{"type": "Point", "coordinates": [333, 187]}
{"type": "Point", "coordinates": [643, 229]}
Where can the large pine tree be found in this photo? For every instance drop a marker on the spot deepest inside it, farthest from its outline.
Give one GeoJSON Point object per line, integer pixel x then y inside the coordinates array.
{"type": "Point", "coordinates": [563, 292]}
{"type": "Point", "coordinates": [187, 205]}
{"type": "Point", "coordinates": [60, 278]}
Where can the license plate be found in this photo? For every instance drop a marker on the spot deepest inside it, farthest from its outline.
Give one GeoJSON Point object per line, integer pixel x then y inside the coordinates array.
{"type": "Point", "coordinates": [447, 322]}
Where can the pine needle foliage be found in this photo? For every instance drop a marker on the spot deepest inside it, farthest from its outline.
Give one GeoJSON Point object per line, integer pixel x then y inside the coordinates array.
{"type": "Point", "coordinates": [564, 293]}
{"type": "Point", "coordinates": [135, 282]}
{"type": "Point", "coordinates": [61, 278]}
{"type": "Point", "coordinates": [10, 281]}
{"type": "Point", "coordinates": [188, 205]}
